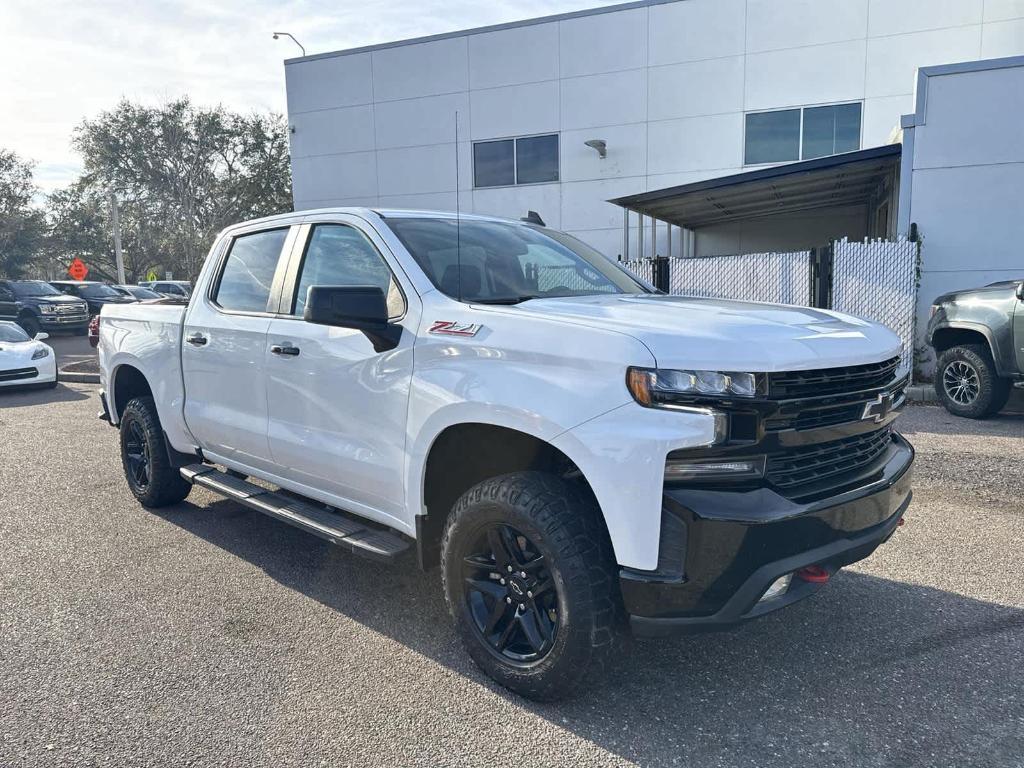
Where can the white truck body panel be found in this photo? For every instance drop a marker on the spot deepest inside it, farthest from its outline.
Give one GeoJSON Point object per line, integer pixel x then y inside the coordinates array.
{"type": "Point", "coordinates": [354, 428]}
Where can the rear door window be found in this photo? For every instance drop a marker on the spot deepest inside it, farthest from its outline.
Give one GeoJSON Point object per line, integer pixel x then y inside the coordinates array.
{"type": "Point", "coordinates": [248, 272]}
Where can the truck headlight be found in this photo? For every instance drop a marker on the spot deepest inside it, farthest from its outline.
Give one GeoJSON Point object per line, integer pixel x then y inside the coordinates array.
{"type": "Point", "coordinates": [40, 353]}
{"type": "Point", "coordinates": [47, 309]}
{"type": "Point", "coordinates": [661, 388]}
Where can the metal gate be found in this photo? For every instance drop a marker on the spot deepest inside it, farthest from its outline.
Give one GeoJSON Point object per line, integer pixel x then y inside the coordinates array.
{"type": "Point", "coordinates": [876, 280]}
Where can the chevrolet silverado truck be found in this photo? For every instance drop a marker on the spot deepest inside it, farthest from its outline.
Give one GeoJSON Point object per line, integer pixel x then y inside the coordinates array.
{"type": "Point", "coordinates": [576, 451]}
{"type": "Point", "coordinates": [978, 338]}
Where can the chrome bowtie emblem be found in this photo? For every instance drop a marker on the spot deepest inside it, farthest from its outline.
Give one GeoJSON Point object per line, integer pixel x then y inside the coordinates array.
{"type": "Point", "coordinates": [516, 588]}
{"type": "Point", "coordinates": [878, 408]}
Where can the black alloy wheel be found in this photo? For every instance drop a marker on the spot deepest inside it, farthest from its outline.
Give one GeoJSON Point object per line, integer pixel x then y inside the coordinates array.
{"type": "Point", "coordinates": [531, 582]}
{"type": "Point", "coordinates": [136, 457]}
{"type": "Point", "coordinates": [151, 476]}
{"type": "Point", "coordinates": [510, 594]}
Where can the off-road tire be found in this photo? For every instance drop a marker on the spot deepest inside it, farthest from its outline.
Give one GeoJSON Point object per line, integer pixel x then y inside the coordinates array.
{"type": "Point", "coordinates": [565, 525]}
{"type": "Point", "coordinates": [140, 428]}
{"type": "Point", "coordinates": [992, 391]}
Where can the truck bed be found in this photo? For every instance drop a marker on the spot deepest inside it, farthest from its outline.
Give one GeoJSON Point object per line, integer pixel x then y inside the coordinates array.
{"type": "Point", "coordinates": [148, 337]}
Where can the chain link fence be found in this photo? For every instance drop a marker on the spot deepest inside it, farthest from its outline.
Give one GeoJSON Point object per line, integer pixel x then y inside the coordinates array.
{"type": "Point", "coordinates": [874, 279]}
{"type": "Point", "coordinates": [780, 278]}
{"type": "Point", "coordinates": [877, 280]}
{"type": "Point", "coordinates": [642, 268]}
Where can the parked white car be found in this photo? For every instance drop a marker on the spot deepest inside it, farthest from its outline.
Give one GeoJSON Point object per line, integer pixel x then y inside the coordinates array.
{"type": "Point", "coordinates": [569, 446]}
{"type": "Point", "coordinates": [24, 360]}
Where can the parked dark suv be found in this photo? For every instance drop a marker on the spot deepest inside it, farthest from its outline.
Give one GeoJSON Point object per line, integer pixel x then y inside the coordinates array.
{"type": "Point", "coordinates": [38, 306]}
{"type": "Point", "coordinates": [95, 294]}
{"type": "Point", "coordinates": [978, 337]}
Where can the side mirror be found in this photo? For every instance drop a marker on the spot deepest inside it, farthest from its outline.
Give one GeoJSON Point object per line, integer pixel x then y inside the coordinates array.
{"type": "Point", "coordinates": [41, 336]}
{"type": "Point", "coordinates": [361, 307]}
{"type": "Point", "coordinates": [1020, 291]}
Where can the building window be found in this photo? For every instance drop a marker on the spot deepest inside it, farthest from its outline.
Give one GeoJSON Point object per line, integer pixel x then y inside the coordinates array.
{"type": "Point", "coordinates": [506, 162]}
{"type": "Point", "coordinates": [786, 135]}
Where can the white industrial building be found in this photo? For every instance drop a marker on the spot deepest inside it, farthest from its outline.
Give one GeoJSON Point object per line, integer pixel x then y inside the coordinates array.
{"type": "Point", "coordinates": [679, 91]}
{"type": "Point", "coordinates": [742, 126]}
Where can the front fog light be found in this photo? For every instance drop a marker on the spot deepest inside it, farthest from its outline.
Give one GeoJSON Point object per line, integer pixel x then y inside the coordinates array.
{"type": "Point", "coordinates": [743, 469]}
{"type": "Point", "coordinates": [778, 587]}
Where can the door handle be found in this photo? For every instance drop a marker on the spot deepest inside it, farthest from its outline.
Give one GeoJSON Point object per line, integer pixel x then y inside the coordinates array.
{"type": "Point", "coordinates": [285, 349]}
{"type": "Point", "coordinates": [196, 339]}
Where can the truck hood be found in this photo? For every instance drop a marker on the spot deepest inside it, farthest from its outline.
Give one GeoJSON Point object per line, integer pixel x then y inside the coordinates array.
{"type": "Point", "coordinates": [720, 334]}
{"type": "Point", "coordinates": [34, 301]}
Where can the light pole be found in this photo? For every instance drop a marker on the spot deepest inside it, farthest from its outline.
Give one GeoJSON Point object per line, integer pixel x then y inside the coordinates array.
{"type": "Point", "coordinates": [289, 34]}
{"type": "Point", "coordinates": [115, 223]}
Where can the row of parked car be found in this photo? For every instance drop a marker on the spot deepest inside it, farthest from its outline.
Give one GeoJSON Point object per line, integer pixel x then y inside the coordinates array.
{"type": "Point", "coordinates": [67, 305]}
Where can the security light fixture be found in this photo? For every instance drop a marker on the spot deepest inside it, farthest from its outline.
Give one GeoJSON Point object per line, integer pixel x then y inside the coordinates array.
{"type": "Point", "coordinates": [289, 34]}
{"type": "Point", "coordinates": [599, 145]}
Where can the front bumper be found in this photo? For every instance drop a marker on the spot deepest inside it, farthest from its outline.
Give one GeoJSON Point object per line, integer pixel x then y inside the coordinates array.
{"type": "Point", "coordinates": [735, 544]}
{"type": "Point", "coordinates": [64, 322]}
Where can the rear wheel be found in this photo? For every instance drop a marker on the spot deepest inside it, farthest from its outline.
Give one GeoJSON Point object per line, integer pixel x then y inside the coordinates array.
{"type": "Point", "coordinates": [147, 467]}
{"type": "Point", "coordinates": [530, 583]}
{"type": "Point", "coordinates": [967, 384]}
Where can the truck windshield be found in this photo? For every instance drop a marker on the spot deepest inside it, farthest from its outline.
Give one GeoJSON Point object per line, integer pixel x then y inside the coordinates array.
{"type": "Point", "coordinates": [504, 263]}
{"type": "Point", "coordinates": [26, 288]}
{"type": "Point", "coordinates": [98, 291]}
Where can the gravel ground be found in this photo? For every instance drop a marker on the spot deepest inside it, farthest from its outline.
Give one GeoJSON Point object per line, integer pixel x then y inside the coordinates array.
{"type": "Point", "coordinates": [208, 635]}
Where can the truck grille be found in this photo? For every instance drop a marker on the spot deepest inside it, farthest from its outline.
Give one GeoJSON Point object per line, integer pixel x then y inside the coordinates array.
{"type": "Point", "coordinates": [70, 309]}
{"type": "Point", "coordinates": [831, 381]}
{"type": "Point", "coordinates": [15, 374]}
{"type": "Point", "coordinates": [828, 461]}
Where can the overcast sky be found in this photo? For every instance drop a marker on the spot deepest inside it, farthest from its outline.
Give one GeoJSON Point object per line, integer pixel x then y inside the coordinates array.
{"type": "Point", "coordinates": [63, 61]}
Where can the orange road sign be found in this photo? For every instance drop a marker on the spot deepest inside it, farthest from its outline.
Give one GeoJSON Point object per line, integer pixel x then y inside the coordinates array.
{"type": "Point", "coordinates": [78, 270]}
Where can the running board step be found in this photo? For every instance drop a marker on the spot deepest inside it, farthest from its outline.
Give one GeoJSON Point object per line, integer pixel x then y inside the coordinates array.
{"type": "Point", "coordinates": [375, 543]}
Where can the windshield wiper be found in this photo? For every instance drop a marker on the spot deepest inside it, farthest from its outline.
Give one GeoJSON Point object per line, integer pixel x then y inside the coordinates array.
{"type": "Point", "coordinates": [502, 300]}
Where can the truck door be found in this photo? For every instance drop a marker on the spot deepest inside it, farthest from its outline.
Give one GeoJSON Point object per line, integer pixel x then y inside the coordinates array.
{"type": "Point", "coordinates": [222, 355]}
{"type": "Point", "coordinates": [337, 407]}
{"type": "Point", "coordinates": [8, 303]}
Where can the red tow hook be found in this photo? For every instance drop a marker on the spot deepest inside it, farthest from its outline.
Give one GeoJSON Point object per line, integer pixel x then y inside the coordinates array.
{"type": "Point", "coordinates": [815, 574]}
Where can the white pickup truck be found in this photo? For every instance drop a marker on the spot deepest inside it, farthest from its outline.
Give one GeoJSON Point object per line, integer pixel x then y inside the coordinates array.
{"type": "Point", "coordinates": [575, 450]}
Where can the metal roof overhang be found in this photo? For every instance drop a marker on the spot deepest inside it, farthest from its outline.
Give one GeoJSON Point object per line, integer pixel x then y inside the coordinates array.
{"type": "Point", "coordinates": [826, 182]}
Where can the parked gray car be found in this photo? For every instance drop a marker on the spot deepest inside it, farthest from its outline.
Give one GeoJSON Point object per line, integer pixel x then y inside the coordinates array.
{"type": "Point", "coordinates": [978, 337]}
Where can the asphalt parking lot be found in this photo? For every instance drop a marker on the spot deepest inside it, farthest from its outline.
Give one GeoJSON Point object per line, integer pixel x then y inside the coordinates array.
{"type": "Point", "coordinates": [210, 635]}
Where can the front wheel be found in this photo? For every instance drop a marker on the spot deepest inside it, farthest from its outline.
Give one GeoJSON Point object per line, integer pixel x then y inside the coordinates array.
{"type": "Point", "coordinates": [147, 467]}
{"type": "Point", "coordinates": [29, 325]}
{"type": "Point", "coordinates": [530, 582]}
{"type": "Point", "coordinates": [967, 384]}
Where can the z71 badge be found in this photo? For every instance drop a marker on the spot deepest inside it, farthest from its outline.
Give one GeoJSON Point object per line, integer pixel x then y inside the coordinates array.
{"type": "Point", "coordinates": [453, 328]}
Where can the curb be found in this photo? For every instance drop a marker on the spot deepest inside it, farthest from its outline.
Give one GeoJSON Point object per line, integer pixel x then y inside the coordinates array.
{"type": "Point", "coordinates": [78, 378]}
{"type": "Point", "coordinates": [921, 393]}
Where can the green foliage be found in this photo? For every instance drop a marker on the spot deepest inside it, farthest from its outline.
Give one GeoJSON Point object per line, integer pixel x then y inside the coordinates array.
{"type": "Point", "coordinates": [22, 227]}
{"type": "Point", "coordinates": [181, 173]}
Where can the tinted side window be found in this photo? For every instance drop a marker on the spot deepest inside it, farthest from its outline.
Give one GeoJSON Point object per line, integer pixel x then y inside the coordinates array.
{"type": "Point", "coordinates": [341, 255]}
{"type": "Point", "coordinates": [249, 271]}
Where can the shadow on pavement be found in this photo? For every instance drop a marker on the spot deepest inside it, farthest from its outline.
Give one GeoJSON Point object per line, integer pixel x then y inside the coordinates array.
{"type": "Point", "coordinates": [868, 672]}
{"type": "Point", "coordinates": [34, 394]}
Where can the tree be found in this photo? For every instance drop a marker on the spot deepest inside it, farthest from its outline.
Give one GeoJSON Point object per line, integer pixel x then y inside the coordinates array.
{"type": "Point", "coordinates": [80, 227]}
{"type": "Point", "coordinates": [22, 227]}
{"type": "Point", "coordinates": [183, 173]}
